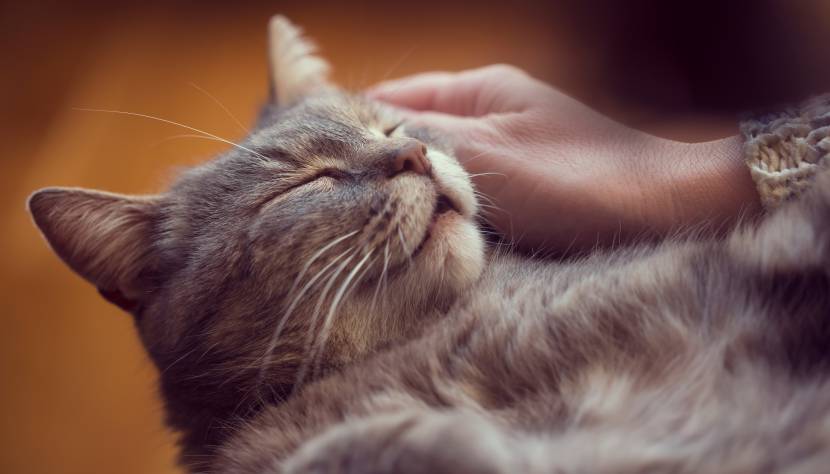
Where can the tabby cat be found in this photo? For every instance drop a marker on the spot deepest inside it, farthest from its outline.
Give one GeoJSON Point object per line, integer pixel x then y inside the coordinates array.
{"type": "Point", "coordinates": [320, 298]}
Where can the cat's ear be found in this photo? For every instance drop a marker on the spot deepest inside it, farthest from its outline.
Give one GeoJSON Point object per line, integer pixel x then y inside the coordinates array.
{"type": "Point", "coordinates": [106, 238]}
{"type": "Point", "coordinates": [296, 71]}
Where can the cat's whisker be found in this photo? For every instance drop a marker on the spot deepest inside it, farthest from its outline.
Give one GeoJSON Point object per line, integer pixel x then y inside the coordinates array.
{"type": "Point", "coordinates": [308, 346]}
{"type": "Point", "coordinates": [272, 343]}
{"type": "Point", "coordinates": [480, 195]}
{"type": "Point", "coordinates": [209, 348]}
{"type": "Point", "coordinates": [222, 106]}
{"type": "Point", "coordinates": [500, 239]}
{"type": "Point", "coordinates": [503, 240]}
{"type": "Point", "coordinates": [188, 135]}
{"type": "Point", "coordinates": [178, 360]}
{"type": "Point", "coordinates": [398, 63]}
{"type": "Point", "coordinates": [317, 255]}
{"type": "Point", "coordinates": [385, 275]}
{"type": "Point", "coordinates": [404, 245]}
{"type": "Point", "coordinates": [359, 278]}
{"type": "Point", "coordinates": [487, 174]}
{"type": "Point", "coordinates": [484, 203]}
{"type": "Point", "coordinates": [343, 294]}
{"type": "Point", "coordinates": [487, 200]}
{"type": "Point", "coordinates": [489, 214]}
{"type": "Point", "coordinates": [327, 322]}
{"type": "Point", "coordinates": [178, 137]}
{"type": "Point", "coordinates": [476, 156]}
{"type": "Point", "coordinates": [381, 277]}
{"type": "Point", "coordinates": [171, 122]}
{"type": "Point", "coordinates": [488, 208]}
{"type": "Point", "coordinates": [491, 208]}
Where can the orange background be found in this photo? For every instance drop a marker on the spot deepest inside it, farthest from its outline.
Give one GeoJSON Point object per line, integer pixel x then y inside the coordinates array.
{"type": "Point", "coordinates": [78, 393]}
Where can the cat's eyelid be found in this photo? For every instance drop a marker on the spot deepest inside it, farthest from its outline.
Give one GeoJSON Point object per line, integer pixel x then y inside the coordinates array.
{"type": "Point", "coordinates": [330, 172]}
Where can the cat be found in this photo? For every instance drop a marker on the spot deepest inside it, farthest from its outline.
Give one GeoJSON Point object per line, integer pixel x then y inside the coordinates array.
{"type": "Point", "coordinates": [321, 298]}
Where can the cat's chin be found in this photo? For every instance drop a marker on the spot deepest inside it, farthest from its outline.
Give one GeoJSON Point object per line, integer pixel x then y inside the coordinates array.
{"type": "Point", "coordinates": [451, 258]}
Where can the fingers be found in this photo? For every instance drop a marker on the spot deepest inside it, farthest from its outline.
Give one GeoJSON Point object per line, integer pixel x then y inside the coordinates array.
{"type": "Point", "coordinates": [462, 133]}
{"type": "Point", "coordinates": [459, 93]}
{"type": "Point", "coordinates": [455, 131]}
{"type": "Point", "coordinates": [416, 92]}
{"type": "Point", "coordinates": [449, 125]}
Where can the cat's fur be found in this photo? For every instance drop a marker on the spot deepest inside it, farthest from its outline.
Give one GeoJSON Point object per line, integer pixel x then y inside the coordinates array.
{"type": "Point", "coordinates": [297, 329]}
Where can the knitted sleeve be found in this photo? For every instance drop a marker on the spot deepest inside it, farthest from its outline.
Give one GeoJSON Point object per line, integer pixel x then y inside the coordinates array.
{"type": "Point", "coordinates": [784, 151]}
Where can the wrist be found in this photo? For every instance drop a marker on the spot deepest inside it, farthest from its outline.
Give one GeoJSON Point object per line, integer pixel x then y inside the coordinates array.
{"type": "Point", "coordinates": [702, 183]}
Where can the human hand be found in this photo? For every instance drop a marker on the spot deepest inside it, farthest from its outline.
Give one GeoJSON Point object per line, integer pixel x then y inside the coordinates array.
{"type": "Point", "coordinates": [560, 175]}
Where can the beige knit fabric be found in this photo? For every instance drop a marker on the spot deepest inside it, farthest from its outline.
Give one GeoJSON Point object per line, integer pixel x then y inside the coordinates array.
{"type": "Point", "coordinates": [784, 151]}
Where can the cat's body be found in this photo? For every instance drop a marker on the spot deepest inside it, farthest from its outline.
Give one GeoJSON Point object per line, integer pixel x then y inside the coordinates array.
{"type": "Point", "coordinates": [318, 299]}
{"type": "Point", "coordinates": [591, 366]}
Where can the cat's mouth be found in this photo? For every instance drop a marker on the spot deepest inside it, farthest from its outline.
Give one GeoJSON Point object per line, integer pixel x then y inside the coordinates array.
{"type": "Point", "coordinates": [443, 206]}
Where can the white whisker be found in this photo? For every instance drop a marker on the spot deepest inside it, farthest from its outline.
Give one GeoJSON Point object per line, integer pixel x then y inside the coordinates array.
{"type": "Point", "coordinates": [309, 345]}
{"type": "Point", "coordinates": [159, 119]}
{"type": "Point", "coordinates": [476, 156]}
{"type": "Point", "coordinates": [403, 245]}
{"type": "Point", "coordinates": [483, 197]}
{"type": "Point", "coordinates": [343, 295]}
{"type": "Point", "coordinates": [272, 344]}
{"type": "Point", "coordinates": [490, 208]}
{"type": "Point", "coordinates": [222, 106]}
{"type": "Point", "coordinates": [381, 277]}
{"type": "Point", "coordinates": [487, 174]}
{"type": "Point", "coordinates": [397, 63]}
{"type": "Point", "coordinates": [177, 137]}
{"type": "Point", "coordinates": [178, 360]}
{"type": "Point", "coordinates": [385, 274]}
{"type": "Point", "coordinates": [316, 256]}
{"type": "Point", "coordinates": [358, 279]}
{"type": "Point", "coordinates": [327, 322]}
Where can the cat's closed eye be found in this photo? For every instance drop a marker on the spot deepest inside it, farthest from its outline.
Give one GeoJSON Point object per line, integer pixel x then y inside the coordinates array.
{"type": "Point", "coordinates": [325, 173]}
{"type": "Point", "coordinates": [331, 175]}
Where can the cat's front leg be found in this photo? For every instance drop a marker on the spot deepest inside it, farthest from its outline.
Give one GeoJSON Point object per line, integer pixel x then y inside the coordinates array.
{"type": "Point", "coordinates": [412, 442]}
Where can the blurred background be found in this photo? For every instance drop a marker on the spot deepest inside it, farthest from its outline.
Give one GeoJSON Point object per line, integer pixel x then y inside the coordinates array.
{"type": "Point", "coordinates": [78, 395]}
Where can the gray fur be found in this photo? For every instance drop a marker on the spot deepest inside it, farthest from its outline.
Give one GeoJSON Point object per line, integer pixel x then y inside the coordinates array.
{"type": "Point", "coordinates": [701, 354]}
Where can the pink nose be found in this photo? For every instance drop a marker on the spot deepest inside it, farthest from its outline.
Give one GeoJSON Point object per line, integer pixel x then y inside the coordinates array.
{"type": "Point", "coordinates": [411, 157]}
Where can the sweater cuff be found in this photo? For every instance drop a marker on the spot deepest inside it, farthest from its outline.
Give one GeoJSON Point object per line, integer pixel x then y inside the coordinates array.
{"type": "Point", "coordinates": [784, 151]}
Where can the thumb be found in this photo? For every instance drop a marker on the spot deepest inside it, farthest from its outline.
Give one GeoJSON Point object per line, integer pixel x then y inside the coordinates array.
{"type": "Point", "coordinates": [450, 93]}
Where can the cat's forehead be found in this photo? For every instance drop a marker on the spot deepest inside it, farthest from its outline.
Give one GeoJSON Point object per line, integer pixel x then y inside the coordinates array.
{"type": "Point", "coordinates": [332, 124]}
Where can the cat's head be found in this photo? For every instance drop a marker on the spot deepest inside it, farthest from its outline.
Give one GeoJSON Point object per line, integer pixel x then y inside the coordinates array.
{"type": "Point", "coordinates": [329, 231]}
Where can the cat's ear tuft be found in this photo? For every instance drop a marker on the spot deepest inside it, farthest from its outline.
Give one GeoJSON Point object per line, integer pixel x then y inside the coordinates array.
{"type": "Point", "coordinates": [296, 71]}
{"type": "Point", "coordinates": [106, 238]}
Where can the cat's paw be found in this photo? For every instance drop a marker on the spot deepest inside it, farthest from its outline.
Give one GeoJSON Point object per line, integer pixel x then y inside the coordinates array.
{"type": "Point", "coordinates": [408, 443]}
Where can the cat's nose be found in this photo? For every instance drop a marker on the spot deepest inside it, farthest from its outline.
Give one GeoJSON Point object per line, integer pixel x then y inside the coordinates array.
{"type": "Point", "coordinates": [412, 156]}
